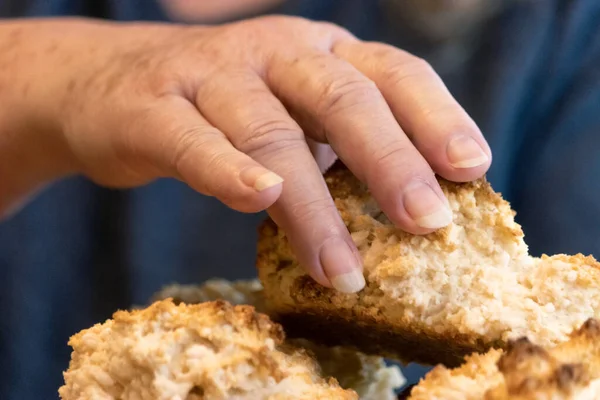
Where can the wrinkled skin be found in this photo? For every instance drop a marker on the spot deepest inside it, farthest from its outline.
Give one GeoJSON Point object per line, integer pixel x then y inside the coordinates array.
{"type": "Point", "coordinates": [238, 112]}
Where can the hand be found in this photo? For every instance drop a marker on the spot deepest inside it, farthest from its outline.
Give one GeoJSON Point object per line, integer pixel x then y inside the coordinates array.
{"type": "Point", "coordinates": [228, 110]}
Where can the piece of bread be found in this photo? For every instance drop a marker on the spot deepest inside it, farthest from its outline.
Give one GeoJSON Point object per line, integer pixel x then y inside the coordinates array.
{"type": "Point", "coordinates": [368, 376]}
{"type": "Point", "coordinates": [434, 298]}
{"type": "Point", "coordinates": [569, 371]}
{"type": "Point", "coordinates": [208, 351]}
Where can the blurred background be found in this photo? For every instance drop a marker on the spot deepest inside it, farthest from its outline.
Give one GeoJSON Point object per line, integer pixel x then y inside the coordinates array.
{"type": "Point", "coordinates": [527, 71]}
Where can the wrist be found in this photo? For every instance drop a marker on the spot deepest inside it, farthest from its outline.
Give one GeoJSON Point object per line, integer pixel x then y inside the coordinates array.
{"type": "Point", "coordinates": [40, 63]}
{"type": "Point", "coordinates": [32, 148]}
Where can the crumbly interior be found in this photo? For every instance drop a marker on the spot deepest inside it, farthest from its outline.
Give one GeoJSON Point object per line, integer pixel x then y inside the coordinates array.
{"type": "Point", "coordinates": [569, 371]}
{"type": "Point", "coordinates": [368, 375]}
{"type": "Point", "coordinates": [476, 274]}
{"type": "Point", "coordinates": [473, 280]}
{"type": "Point", "coordinates": [205, 351]}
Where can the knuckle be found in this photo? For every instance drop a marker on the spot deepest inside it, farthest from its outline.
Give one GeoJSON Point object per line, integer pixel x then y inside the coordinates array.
{"type": "Point", "coordinates": [262, 28]}
{"type": "Point", "coordinates": [187, 142]}
{"type": "Point", "coordinates": [262, 134]}
{"type": "Point", "coordinates": [149, 71]}
{"type": "Point", "coordinates": [217, 185]}
{"type": "Point", "coordinates": [390, 155]}
{"type": "Point", "coordinates": [399, 69]}
{"type": "Point", "coordinates": [334, 30]}
{"type": "Point", "coordinates": [448, 112]}
{"type": "Point", "coordinates": [287, 20]}
{"type": "Point", "coordinates": [280, 149]}
{"type": "Point", "coordinates": [216, 162]}
{"type": "Point", "coordinates": [316, 209]}
{"type": "Point", "coordinates": [164, 82]}
{"type": "Point", "coordinates": [421, 63]}
{"type": "Point", "coordinates": [398, 157]}
{"type": "Point", "coordinates": [342, 94]}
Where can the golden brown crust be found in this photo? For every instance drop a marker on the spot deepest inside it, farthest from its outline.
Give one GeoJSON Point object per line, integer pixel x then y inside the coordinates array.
{"type": "Point", "coordinates": [213, 312]}
{"type": "Point", "coordinates": [368, 332]}
{"type": "Point", "coordinates": [211, 350]}
{"type": "Point", "coordinates": [525, 371]}
{"type": "Point", "coordinates": [433, 298]}
{"type": "Point", "coordinates": [360, 325]}
{"type": "Point", "coordinates": [369, 376]}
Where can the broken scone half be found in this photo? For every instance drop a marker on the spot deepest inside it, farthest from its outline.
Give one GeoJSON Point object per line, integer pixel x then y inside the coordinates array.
{"type": "Point", "coordinates": [525, 371]}
{"type": "Point", "coordinates": [207, 351]}
{"type": "Point", "coordinates": [367, 375]}
{"type": "Point", "coordinates": [434, 298]}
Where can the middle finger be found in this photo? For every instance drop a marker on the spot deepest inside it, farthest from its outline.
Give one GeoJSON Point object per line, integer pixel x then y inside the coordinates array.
{"type": "Point", "coordinates": [257, 124]}
{"type": "Point", "coordinates": [352, 115]}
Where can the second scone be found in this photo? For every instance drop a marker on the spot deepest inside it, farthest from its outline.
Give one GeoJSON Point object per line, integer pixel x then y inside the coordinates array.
{"type": "Point", "coordinates": [207, 351]}
{"type": "Point", "coordinates": [368, 376]}
{"type": "Point", "coordinates": [433, 298]}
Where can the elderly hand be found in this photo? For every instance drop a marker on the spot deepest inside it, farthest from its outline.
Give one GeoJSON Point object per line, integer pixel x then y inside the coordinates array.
{"type": "Point", "coordinates": [234, 111]}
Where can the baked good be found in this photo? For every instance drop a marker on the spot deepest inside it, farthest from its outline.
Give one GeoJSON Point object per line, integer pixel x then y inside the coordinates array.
{"type": "Point", "coordinates": [368, 375]}
{"type": "Point", "coordinates": [433, 298]}
{"type": "Point", "coordinates": [238, 292]}
{"type": "Point", "coordinates": [207, 351]}
{"type": "Point", "coordinates": [569, 371]}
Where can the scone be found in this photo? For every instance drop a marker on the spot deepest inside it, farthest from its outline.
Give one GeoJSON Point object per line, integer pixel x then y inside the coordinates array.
{"type": "Point", "coordinates": [435, 298]}
{"type": "Point", "coordinates": [569, 371]}
{"type": "Point", "coordinates": [206, 351]}
{"type": "Point", "coordinates": [368, 375]}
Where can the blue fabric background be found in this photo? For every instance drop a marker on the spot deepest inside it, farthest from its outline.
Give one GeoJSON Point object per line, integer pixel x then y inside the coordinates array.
{"type": "Point", "coordinates": [79, 252]}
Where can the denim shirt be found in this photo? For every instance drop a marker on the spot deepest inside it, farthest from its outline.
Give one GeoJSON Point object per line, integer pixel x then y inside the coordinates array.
{"type": "Point", "coordinates": [78, 252]}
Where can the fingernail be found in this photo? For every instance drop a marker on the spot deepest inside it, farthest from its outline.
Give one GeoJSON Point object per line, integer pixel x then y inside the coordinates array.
{"type": "Point", "coordinates": [350, 282]}
{"type": "Point", "coordinates": [267, 180]}
{"type": "Point", "coordinates": [341, 266]}
{"type": "Point", "coordinates": [465, 152]}
{"type": "Point", "coordinates": [425, 207]}
{"type": "Point", "coordinates": [260, 178]}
